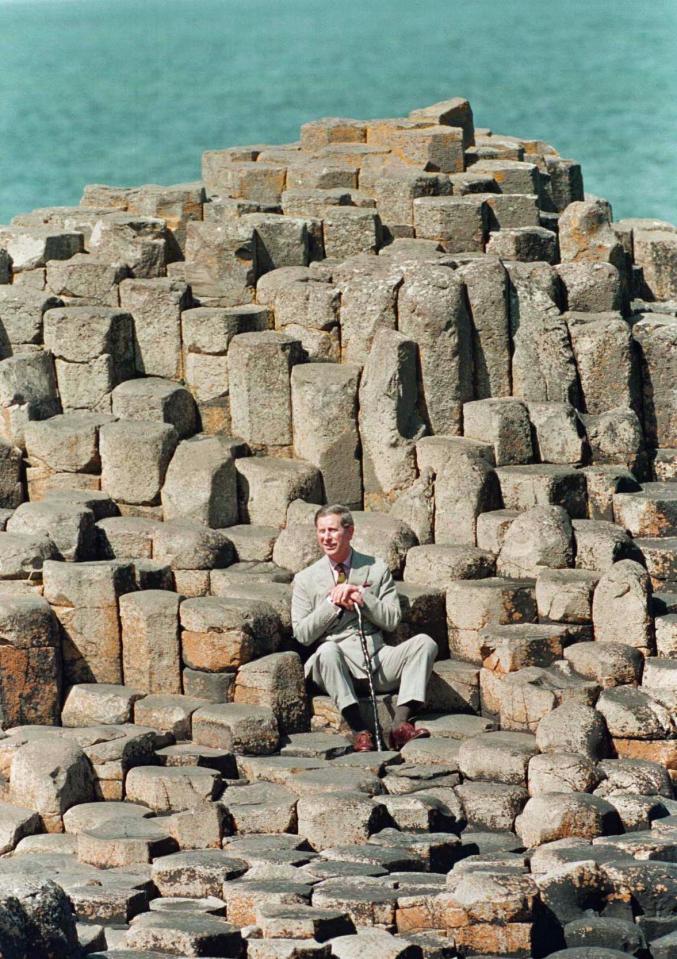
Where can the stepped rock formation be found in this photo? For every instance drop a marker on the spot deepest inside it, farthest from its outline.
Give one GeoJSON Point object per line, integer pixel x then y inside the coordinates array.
{"type": "Point", "coordinates": [434, 324]}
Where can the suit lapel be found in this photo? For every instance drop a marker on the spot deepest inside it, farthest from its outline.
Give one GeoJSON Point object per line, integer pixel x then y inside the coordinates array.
{"type": "Point", "coordinates": [327, 582]}
{"type": "Point", "coordinates": [360, 569]}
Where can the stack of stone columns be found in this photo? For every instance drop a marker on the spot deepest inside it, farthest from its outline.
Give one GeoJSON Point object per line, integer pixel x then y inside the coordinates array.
{"type": "Point", "coordinates": [433, 324]}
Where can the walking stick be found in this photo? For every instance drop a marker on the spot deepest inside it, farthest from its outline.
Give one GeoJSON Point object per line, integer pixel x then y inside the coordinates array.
{"type": "Point", "coordinates": [367, 666]}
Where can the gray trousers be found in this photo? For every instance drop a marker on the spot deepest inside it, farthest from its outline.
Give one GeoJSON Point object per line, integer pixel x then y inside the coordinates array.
{"type": "Point", "coordinates": [407, 667]}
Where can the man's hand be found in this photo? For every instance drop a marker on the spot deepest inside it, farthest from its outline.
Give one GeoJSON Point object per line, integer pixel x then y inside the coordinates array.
{"type": "Point", "coordinates": [347, 596]}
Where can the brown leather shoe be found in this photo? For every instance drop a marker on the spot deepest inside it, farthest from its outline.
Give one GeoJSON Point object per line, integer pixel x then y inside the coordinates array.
{"type": "Point", "coordinates": [363, 742]}
{"type": "Point", "coordinates": [404, 733]}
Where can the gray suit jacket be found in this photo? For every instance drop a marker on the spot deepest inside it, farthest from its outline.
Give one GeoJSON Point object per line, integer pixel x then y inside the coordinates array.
{"type": "Point", "coordinates": [315, 619]}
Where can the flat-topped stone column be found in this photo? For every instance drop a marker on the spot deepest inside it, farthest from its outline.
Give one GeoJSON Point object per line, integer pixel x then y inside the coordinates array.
{"type": "Point", "coordinates": [259, 371]}
{"type": "Point", "coordinates": [324, 405]}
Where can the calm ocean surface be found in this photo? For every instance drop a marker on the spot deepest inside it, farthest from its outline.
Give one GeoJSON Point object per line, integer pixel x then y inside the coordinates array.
{"type": "Point", "coordinates": [132, 91]}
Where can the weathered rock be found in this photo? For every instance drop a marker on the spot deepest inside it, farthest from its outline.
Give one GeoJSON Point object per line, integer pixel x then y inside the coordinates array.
{"type": "Point", "coordinates": [655, 252]}
{"type": "Point", "coordinates": [244, 897]}
{"type": "Point", "coordinates": [491, 806]}
{"type": "Point", "coordinates": [511, 647]}
{"type": "Point", "coordinates": [368, 289]}
{"type": "Point", "coordinates": [607, 663]}
{"type": "Point", "coordinates": [454, 686]}
{"type": "Point", "coordinates": [30, 662]}
{"type": "Point", "coordinates": [259, 369]}
{"type": "Point", "coordinates": [631, 713]}
{"type": "Point", "coordinates": [253, 543]}
{"type": "Point", "coordinates": [620, 607]}
{"type": "Point", "coordinates": [196, 874]}
{"type": "Point", "coordinates": [325, 432]}
{"type": "Point", "coordinates": [172, 789]}
{"type": "Point", "coordinates": [503, 423]}
{"type": "Point", "coordinates": [601, 544]}
{"type": "Point", "coordinates": [206, 336]}
{"type": "Point", "coordinates": [444, 564]}
{"type": "Point", "coordinates": [263, 807]}
{"type": "Point", "coordinates": [573, 728]}
{"type": "Point", "coordinates": [156, 306]}
{"type": "Point", "coordinates": [342, 817]}
{"type": "Point", "coordinates": [389, 422]}
{"type": "Point", "coordinates": [649, 512]}
{"type": "Point", "coordinates": [150, 641]}
{"type": "Point", "coordinates": [267, 485]}
{"type": "Point", "coordinates": [559, 435]}
{"type": "Point", "coordinates": [475, 604]}
{"type": "Point", "coordinates": [93, 352]}
{"type": "Point", "coordinates": [559, 816]}
{"type": "Point", "coordinates": [523, 487]}
{"type": "Point", "coordinates": [200, 483]}
{"type": "Point", "coordinates": [69, 526]}
{"type": "Point", "coordinates": [465, 487]}
{"type": "Point", "coordinates": [603, 934]}
{"type": "Point", "coordinates": [416, 507]}
{"type": "Point", "coordinates": [523, 698]}
{"type": "Point", "coordinates": [591, 287]}
{"type": "Point", "coordinates": [497, 756]}
{"type": "Point", "coordinates": [22, 311]}
{"type": "Point", "coordinates": [16, 822]}
{"type": "Point", "coordinates": [586, 234]}
{"type": "Point", "coordinates": [191, 934]}
{"type": "Point", "coordinates": [276, 681]}
{"type": "Point", "coordinates": [22, 557]}
{"type": "Point", "coordinates": [492, 528]}
{"type": "Point", "coordinates": [84, 597]}
{"type": "Point", "coordinates": [486, 283]}
{"type": "Point", "coordinates": [616, 435]}
{"type": "Point", "coordinates": [422, 611]}
{"type": "Point", "coordinates": [28, 391]}
{"type": "Point", "coordinates": [635, 776]}
{"type": "Point", "coordinates": [489, 912]}
{"type": "Point", "coordinates": [153, 398]}
{"type": "Point", "coordinates": [565, 596]}
{"type": "Point", "coordinates": [50, 775]}
{"type": "Point", "coordinates": [384, 536]}
{"type": "Point", "coordinates": [37, 915]}
{"type": "Point", "coordinates": [237, 728]}
{"type": "Point", "coordinates": [603, 481]}
{"type": "Point", "coordinates": [431, 311]}
{"type": "Point", "coordinates": [308, 310]}
{"type": "Point", "coordinates": [221, 256]}
{"type": "Point", "coordinates": [92, 704]}
{"type": "Point", "coordinates": [560, 772]}
{"type": "Point", "coordinates": [66, 443]}
{"type": "Point", "coordinates": [543, 364]}
{"type": "Point", "coordinates": [90, 815]}
{"type": "Point", "coordinates": [655, 336]}
{"type": "Point", "coordinates": [222, 634]}
{"type": "Point", "coordinates": [607, 367]}
{"type": "Point", "coordinates": [540, 537]}
{"type": "Point", "coordinates": [134, 459]}
{"type": "Point", "coordinates": [524, 244]}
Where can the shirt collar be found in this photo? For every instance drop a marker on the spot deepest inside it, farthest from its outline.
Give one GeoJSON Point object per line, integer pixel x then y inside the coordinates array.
{"type": "Point", "coordinates": [346, 564]}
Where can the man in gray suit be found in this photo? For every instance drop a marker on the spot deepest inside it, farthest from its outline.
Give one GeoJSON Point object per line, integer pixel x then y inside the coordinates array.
{"type": "Point", "coordinates": [323, 611]}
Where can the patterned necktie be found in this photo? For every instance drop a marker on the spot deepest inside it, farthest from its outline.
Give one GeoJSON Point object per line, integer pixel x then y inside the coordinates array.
{"type": "Point", "coordinates": [340, 574]}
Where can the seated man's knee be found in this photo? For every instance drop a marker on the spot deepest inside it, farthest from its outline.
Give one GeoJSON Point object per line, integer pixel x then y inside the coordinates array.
{"type": "Point", "coordinates": [424, 644]}
{"type": "Point", "coordinates": [329, 653]}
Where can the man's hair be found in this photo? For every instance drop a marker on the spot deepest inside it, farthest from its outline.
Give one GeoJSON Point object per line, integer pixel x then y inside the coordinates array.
{"type": "Point", "coordinates": [343, 513]}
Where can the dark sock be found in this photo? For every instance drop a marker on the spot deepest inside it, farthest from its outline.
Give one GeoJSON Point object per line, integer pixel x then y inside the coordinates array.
{"type": "Point", "coordinates": [353, 717]}
{"type": "Point", "coordinates": [404, 712]}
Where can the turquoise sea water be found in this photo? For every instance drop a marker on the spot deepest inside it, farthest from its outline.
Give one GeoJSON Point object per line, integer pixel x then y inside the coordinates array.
{"type": "Point", "coordinates": [132, 91]}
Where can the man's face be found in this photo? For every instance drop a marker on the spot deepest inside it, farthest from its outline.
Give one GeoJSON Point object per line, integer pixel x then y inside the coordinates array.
{"type": "Point", "coordinates": [334, 538]}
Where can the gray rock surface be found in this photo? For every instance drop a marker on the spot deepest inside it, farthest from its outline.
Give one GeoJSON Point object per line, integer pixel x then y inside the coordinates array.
{"type": "Point", "coordinates": [433, 324]}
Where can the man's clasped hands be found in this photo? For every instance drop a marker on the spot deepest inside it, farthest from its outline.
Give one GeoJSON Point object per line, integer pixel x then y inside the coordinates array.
{"type": "Point", "coordinates": [347, 596]}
